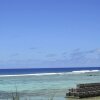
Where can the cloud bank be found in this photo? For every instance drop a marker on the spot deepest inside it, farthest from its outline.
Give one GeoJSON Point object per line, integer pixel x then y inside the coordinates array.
{"type": "Point", "coordinates": [76, 58]}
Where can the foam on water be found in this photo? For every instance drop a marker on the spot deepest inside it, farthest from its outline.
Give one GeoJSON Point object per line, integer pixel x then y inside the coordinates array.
{"type": "Point", "coordinates": [43, 84]}
{"type": "Point", "coordinates": [43, 74]}
{"type": "Point", "coordinates": [38, 74]}
{"type": "Point", "coordinates": [84, 71]}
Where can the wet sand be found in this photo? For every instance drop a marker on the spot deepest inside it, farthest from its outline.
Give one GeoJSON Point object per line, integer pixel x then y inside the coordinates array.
{"type": "Point", "coordinates": [90, 98]}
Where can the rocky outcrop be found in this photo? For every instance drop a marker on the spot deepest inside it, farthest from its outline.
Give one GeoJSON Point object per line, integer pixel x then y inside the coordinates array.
{"type": "Point", "coordinates": [84, 90]}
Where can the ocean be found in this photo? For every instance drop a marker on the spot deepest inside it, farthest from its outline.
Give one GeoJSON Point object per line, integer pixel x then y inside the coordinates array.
{"type": "Point", "coordinates": [44, 83]}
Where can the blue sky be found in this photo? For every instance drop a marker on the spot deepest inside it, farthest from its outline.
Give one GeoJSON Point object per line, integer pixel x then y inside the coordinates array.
{"type": "Point", "coordinates": [49, 33]}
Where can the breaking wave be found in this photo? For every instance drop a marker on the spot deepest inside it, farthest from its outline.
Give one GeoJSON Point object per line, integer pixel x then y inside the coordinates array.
{"type": "Point", "coordinates": [44, 74]}
{"type": "Point", "coordinates": [84, 71]}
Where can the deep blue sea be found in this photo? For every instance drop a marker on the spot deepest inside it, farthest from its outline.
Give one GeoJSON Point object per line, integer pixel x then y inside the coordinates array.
{"type": "Point", "coordinates": [43, 70]}
{"type": "Point", "coordinates": [44, 83]}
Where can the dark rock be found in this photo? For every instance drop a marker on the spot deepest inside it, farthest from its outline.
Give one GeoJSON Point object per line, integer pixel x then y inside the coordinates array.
{"type": "Point", "coordinates": [85, 90]}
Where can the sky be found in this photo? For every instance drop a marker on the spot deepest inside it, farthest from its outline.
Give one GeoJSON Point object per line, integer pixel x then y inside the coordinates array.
{"type": "Point", "coordinates": [49, 33]}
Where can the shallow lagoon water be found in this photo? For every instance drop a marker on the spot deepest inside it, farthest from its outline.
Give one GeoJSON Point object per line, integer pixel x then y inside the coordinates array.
{"type": "Point", "coordinates": [43, 87]}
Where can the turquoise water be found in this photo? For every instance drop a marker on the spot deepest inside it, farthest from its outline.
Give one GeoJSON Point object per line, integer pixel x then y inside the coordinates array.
{"type": "Point", "coordinates": [42, 87]}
